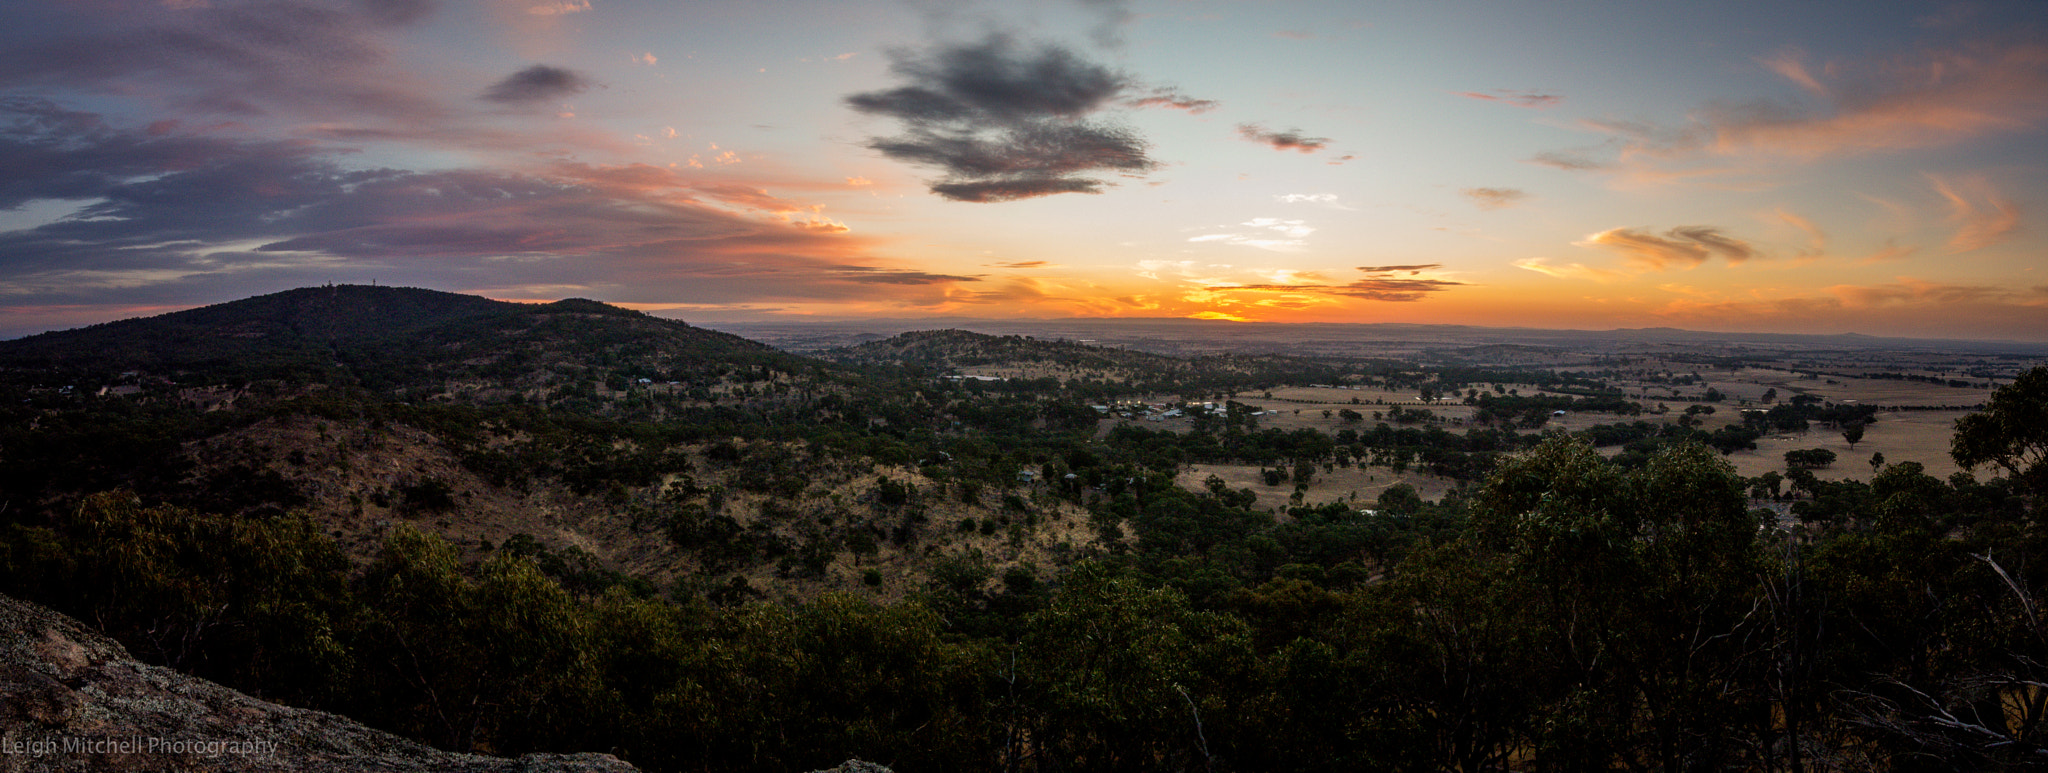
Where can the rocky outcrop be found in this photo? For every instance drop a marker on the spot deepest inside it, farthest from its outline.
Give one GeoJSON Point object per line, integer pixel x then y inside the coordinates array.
{"type": "Point", "coordinates": [73, 700]}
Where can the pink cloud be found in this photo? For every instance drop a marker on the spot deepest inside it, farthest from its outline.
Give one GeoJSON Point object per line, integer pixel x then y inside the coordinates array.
{"type": "Point", "coordinates": [1292, 139]}
{"type": "Point", "coordinates": [1982, 216]}
{"type": "Point", "coordinates": [1925, 99]}
{"type": "Point", "coordinates": [1495, 198]}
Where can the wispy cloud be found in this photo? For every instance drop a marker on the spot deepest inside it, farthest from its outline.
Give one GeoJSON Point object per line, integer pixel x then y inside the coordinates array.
{"type": "Point", "coordinates": [1569, 270]}
{"type": "Point", "coordinates": [1320, 199]}
{"type": "Point", "coordinates": [1570, 161]}
{"type": "Point", "coordinates": [1380, 284]}
{"type": "Point", "coordinates": [1816, 239]}
{"type": "Point", "coordinates": [1291, 139]}
{"type": "Point", "coordinates": [1920, 100]}
{"type": "Point", "coordinates": [1495, 198]}
{"type": "Point", "coordinates": [559, 7]}
{"type": "Point", "coordinates": [1890, 252]}
{"type": "Point", "coordinates": [1683, 247]}
{"type": "Point", "coordinates": [1412, 269]}
{"type": "Point", "coordinates": [1516, 97]}
{"type": "Point", "coordinates": [1982, 216]}
{"type": "Point", "coordinates": [1173, 98]}
{"type": "Point", "coordinates": [1268, 233]}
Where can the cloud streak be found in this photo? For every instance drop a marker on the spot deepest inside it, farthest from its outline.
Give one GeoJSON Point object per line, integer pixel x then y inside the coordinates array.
{"type": "Point", "coordinates": [1173, 98]}
{"type": "Point", "coordinates": [1380, 284]}
{"type": "Point", "coordinates": [1684, 247]}
{"type": "Point", "coordinates": [1292, 139]}
{"type": "Point", "coordinates": [1516, 97]}
{"type": "Point", "coordinates": [1569, 270]}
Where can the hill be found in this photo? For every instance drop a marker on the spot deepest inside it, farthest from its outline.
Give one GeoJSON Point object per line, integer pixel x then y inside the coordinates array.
{"type": "Point", "coordinates": [294, 328]}
{"type": "Point", "coordinates": [612, 446]}
{"type": "Point", "coordinates": [1017, 357]}
{"type": "Point", "coordinates": [413, 343]}
{"type": "Point", "coordinates": [954, 349]}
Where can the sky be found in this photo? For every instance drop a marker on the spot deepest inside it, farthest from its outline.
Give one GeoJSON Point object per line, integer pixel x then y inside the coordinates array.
{"type": "Point", "coordinates": [1823, 167]}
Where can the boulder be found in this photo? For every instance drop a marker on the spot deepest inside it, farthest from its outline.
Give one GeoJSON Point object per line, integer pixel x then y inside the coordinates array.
{"type": "Point", "coordinates": [74, 700]}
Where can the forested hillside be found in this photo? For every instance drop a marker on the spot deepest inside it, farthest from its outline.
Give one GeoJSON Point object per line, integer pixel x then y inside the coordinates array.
{"type": "Point", "coordinates": [507, 531]}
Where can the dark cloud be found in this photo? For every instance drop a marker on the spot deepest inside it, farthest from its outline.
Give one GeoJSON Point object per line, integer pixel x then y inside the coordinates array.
{"type": "Point", "coordinates": [324, 61]}
{"type": "Point", "coordinates": [869, 275]}
{"type": "Point", "coordinates": [1412, 269]}
{"type": "Point", "coordinates": [1395, 290]}
{"type": "Point", "coordinates": [1015, 189]}
{"type": "Point", "coordinates": [536, 84]}
{"type": "Point", "coordinates": [1292, 139]}
{"type": "Point", "coordinates": [1031, 152]}
{"type": "Point", "coordinates": [1005, 123]}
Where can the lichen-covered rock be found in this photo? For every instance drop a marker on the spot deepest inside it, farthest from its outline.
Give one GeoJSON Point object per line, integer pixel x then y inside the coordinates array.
{"type": "Point", "coordinates": [73, 700]}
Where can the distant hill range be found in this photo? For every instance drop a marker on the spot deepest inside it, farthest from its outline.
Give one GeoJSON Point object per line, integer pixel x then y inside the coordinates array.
{"type": "Point", "coordinates": [952, 349]}
{"type": "Point", "coordinates": [1018, 356]}
{"type": "Point", "coordinates": [399, 339]}
{"type": "Point", "coordinates": [1184, 337]}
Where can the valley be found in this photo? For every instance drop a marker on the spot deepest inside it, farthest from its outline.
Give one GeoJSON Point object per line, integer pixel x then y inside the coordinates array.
{"type": "Point", "coordinates": [1037, 546]}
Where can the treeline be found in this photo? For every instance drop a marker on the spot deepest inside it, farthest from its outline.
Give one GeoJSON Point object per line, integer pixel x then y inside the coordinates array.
{"type": "Point", "coordinates": [1466, 456]}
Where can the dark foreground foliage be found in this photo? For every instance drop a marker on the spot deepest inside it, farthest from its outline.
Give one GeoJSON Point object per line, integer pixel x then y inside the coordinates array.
{"type": "Point", "coordinates": [1576, 615]}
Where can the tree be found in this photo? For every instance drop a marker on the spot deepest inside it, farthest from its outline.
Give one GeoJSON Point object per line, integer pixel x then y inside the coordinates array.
{"type": "Point", "coordinates": [1640, 584]}
{"type": "Point", "coordinates": [2011, 432]}
{"type": "Point", "coordinates": [1770, 483]}
{"type": "Point", "coordinates": [1852, 431]}
{"type": "Point", "coordinates": [1400, 498]}
{"type": "Point", "coordinates": [1876, 461]}
{"type": "Point", "coordinates": [1810, 458]}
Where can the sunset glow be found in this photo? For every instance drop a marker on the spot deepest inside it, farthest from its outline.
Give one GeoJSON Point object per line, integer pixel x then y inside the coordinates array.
{"type": "Point", "coordinates": [1826, 167]}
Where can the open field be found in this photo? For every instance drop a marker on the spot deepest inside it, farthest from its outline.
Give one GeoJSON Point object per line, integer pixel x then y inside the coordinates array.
{"type": "Point", "coordinates": [1901, 436]}
{"type": "Point", "coordinates": [1359, 485]}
